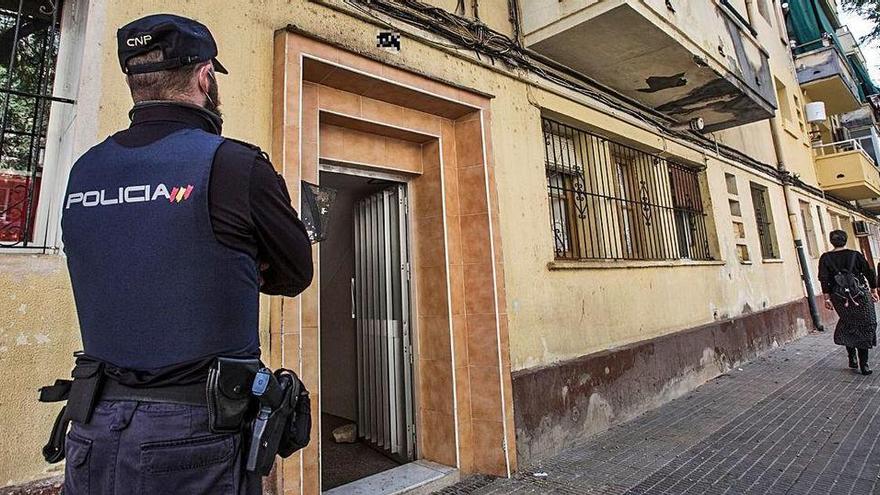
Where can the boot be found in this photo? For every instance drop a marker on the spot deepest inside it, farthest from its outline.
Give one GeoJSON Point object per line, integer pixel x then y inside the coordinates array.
{"type": "Point", "coordinates": [853, 360]}
{"type": "Point", "coordinates": [863, 362]}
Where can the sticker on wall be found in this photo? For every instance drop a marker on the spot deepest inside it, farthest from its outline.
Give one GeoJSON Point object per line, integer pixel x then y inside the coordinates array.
{"type": "Point", "coordinates": [388, 40]}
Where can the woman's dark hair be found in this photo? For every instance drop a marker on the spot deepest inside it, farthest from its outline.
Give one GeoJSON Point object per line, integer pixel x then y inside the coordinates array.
{"type": "Point", "coordinates": [838, 238]}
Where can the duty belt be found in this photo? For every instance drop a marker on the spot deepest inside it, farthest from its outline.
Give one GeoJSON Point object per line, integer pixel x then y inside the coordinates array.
{"type": "Point", "coordinates": [193, 394]}
{"type": "Point", "coordinates": [239, 393]}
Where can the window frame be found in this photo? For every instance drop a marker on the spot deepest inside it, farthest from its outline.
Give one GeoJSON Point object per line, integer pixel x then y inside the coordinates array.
{"type": "Point", "coordinates": [785, 107]}
{"type": "Point", "coordinates": [28, 228]}
{"type": "Point", "coordinates": [764, 11]}
{"type": "Point", "coordinates": [612, 202]}
{"type": "Point", "coordinates": [822, 227]}
{"type": "Point", "coordinates": [72, 125]}
{"type": "Point", "coordinates": [764, 221]}
{"type": "Point", "coordinates": [809, 225]}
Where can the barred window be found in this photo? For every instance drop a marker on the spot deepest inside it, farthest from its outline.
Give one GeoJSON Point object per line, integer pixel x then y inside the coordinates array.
{"type": "Point", "coordinates": [29, 36]}
{"type": "Point", "coordinates": [609, 201]}
{"type": "Point", "coordinates": [764, 219]}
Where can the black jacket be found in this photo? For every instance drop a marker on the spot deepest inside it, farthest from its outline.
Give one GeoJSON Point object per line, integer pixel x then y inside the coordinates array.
{"type": "Point", "coordinates": [248, 201]}
{"type": "Point", "coordinates": [833, 261]}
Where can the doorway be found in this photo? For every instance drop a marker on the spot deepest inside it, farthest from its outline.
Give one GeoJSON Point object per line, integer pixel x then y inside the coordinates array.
{"type": "Point", "coordinates": [366, 346]}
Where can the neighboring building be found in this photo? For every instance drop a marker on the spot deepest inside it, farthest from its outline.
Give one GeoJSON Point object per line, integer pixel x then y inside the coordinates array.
{"type": "Point", "coordinates": [833, 73]}
{"type": "Point", "coordinates": [550, 216]}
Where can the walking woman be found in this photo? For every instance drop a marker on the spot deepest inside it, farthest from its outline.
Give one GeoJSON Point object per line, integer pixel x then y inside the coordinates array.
{"type": "Point", "coordinates": [846, 277]}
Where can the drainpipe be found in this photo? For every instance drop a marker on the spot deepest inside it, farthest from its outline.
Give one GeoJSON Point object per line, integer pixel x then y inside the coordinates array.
{"type": "Point", "coordinates": [796, 229]}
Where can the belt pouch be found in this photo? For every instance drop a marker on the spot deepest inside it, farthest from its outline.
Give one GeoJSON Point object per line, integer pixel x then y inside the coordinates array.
{"type": "Point", "coordinates": [87, 380]}
{"type": "Point", "coordinates": [229, 392]}
{"type": "Point", "coordinates": [298, 424]}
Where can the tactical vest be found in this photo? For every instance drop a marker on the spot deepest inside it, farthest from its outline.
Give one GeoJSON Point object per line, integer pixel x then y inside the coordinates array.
{"type": "Point", "coordinates": [153, 286]}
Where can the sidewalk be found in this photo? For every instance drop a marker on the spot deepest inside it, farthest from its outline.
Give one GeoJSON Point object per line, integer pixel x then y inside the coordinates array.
{"type": "Point", "coordinates": [795, 421]}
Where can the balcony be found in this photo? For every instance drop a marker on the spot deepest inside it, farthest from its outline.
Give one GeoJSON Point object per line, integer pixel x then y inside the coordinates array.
{"type": "Point", "coordinates": [847, 40]}
{"type": "Point", "coordinates": [846, 171]}
{"type": "Point", "coordinates": [695, 59]}
{"type": "Point", "coordinates": [870, 205]}
{"type": "Point", "coordinates": [825, 76]}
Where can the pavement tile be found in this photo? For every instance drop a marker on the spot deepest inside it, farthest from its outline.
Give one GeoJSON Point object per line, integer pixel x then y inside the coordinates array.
{"type": "Point", "coordinates": [793, 421]}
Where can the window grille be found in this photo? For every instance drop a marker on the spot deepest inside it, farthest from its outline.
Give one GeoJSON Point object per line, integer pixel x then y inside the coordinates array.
{"type": "Point", "coordinates": [764, 219]}
{"type": "Point", "coordinates": [609, 201]}
{"type": "Point", "coordinates": [29, 37]}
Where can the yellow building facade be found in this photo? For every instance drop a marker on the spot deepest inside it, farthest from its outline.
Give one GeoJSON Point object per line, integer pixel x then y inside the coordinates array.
{"type": "Point", "coordinates": [595, 223]}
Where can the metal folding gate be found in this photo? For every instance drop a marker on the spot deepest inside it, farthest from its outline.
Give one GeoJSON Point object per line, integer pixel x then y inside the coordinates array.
{"type": "Point", "coordinates": [380, 290]}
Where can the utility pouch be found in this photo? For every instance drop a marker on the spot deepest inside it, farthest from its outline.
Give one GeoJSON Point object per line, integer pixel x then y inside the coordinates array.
{"type": "Point", "coordinates": [81, 395]}
{"type": "Point", "coordinates": [229, 393]}
{"type": "Point", "coordinates": [298, 427]}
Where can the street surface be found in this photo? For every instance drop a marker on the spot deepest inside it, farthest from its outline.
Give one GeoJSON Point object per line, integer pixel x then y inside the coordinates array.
{"type": "Point", "coordinates": [794, 421]}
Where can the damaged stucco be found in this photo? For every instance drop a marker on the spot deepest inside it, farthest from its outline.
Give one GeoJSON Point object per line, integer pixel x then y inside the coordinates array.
{"type": "Point", "coordinates": [696, 58]}
{"type": "Point", "coordinates": [585, 396]}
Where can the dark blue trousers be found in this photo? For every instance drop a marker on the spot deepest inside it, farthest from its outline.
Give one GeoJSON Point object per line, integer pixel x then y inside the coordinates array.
{"type": "Point", "coordinates": [148, 448]}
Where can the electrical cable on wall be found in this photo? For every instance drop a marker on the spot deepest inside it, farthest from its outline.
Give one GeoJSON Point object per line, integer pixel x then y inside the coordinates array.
{"type": "Point", "coordinates": [475, 36]}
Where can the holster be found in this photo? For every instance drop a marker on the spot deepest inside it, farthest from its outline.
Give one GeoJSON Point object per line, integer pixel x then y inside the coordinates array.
{"type": "Point", "coordinates": [283, 428]}
{"type": "Point", "coordinates": [229, 393]}
{"type": "Point", "coordinates": [81, 395]}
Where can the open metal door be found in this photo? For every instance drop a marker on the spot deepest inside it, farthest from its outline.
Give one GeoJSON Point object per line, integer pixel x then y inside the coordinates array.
{"type": "Point", "coordinates": [382, 312]}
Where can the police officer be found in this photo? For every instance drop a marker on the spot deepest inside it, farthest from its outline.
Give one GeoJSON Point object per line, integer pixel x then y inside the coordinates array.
{"type": "Point", "coordinates": [171, 231]}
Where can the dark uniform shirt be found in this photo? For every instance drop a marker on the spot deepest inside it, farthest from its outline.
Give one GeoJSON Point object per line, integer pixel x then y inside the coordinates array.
{"type": "Point", "coordinates": [248, 201]}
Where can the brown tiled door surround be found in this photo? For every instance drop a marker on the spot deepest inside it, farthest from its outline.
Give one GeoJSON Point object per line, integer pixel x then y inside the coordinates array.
{"type": "Point", "coordinates": [331, 105]}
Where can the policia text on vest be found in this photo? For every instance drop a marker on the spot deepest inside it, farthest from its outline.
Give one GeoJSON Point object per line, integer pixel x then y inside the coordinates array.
{"type": "Point", "coordinates": [129, 194]}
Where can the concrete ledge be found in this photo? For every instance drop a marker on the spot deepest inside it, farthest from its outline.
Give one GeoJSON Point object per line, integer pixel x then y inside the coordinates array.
{"type": "Point", "coordinates": [415, 478]}
{"type": "Point", "coordinates": [628, 264]}
{"type": "Point", "coordinates": [558, 406]}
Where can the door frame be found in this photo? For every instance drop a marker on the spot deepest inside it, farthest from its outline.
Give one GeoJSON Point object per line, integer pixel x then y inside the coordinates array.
{"type": "Point", "coordinates": [345, 168]}
{"type": "Point", "coordinates": [465, 405]}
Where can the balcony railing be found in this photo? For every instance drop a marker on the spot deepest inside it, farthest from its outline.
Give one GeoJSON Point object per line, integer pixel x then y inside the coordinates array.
{"type": "Point", "coordinates": [824, 72]}
{"type": "Point", "coordinates": [827, 149]}
{"type": "Point", "coordinates": [845, 170]}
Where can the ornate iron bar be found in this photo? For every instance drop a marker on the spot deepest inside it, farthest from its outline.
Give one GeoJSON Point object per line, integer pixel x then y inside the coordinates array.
{"type": "Point", "coordinates": [29, 38]}
{"type": "Point", "coordinates": [609, 201]}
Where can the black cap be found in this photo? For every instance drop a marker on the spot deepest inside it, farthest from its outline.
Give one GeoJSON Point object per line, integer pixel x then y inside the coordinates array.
{"type": "Point", "coordinates": [182, 41]}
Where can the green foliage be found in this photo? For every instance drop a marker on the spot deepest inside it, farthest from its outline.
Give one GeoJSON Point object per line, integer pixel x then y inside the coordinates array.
{"type": "Point", "coordinates": [32, 70]}
{"type": "Point", "coordinates": [867, 9]}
